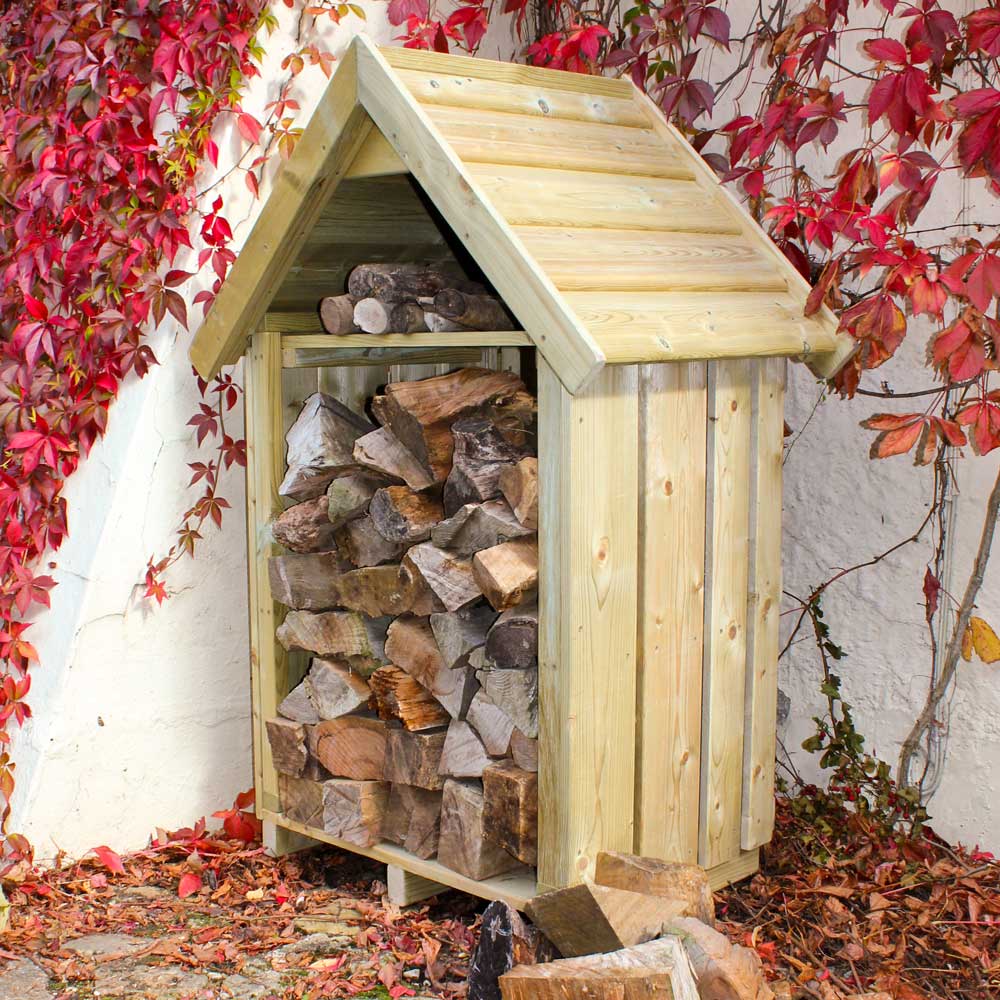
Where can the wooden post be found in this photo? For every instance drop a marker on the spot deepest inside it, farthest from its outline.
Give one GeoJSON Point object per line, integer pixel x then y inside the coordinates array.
{"type": "Point", "coordinates": [406, 887]}
{"type": "Point", "coordinates": [587, 615]}
{"type": "Point", "coordinates": [265, 459]}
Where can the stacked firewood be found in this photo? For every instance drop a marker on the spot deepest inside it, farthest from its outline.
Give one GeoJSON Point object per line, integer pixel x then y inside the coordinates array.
{"type": "Point", "coordinates": [407, 298]}
{"type": "Point", "coordinates": [412, 577]}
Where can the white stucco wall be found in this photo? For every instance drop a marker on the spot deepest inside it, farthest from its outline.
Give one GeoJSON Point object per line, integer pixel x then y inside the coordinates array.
{"type": "Point", "coordinates": [142, 714]}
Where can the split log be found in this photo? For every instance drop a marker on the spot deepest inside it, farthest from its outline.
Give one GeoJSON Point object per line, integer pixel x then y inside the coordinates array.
{"type": "Point", "coordinates": [354, 811]}
{"type": "Point", "coordinates": [507, 574]}
{"type": "Point", "coordinates": [588, 918]}
{"type": "Point", "coordinates": [519, 485]}
{"type": "Point", "coordinates": [407, 317]}
{"type": "Point", "coordinates": [304, 527]}
{"type": "Point", "coordinates": [301, 800]}
{"type": "Point", "coordinates": [403, 515]}
{"type": "Point", "coordinates": [382, 451]}
{"type": "Point", "coordinates": [510, 810]}
{"type": "Point", "coordinates": [505, 941]}
{"type": "Point", "coordinates": [413, 819]}
{"type": "Point", "coordinates": [353, 746]}
{"type": "Point", "coordinates": [348, 497]}
{"type": "Point", "coordinates": [437, 323]}
{"type": "Point", "coordinates": [414, 759]}
{"type": "Point", "coordinates": [449, 577]}
{"type": "Point", "coordinates": [361, 542]}
{"type": "Point", "coordinates": [723, 970]}
{"type": "Point", "coordinates": [668, 879]}
{"type": "Point", "coordinates": [307, 581]}
{"type": "Point", "coordinates": [512, 642]}
{"type": "Point", "coordinates": [338, 634]}
{"type": "Point", "coordinates": [492, 724]}
{"type": "Point", "coordinates": [297, 706]}
{"type": "Point", "coordinates": [288, 745]}
{"type": "Point", "coordinates": [523, 751]}
{"type": "Point", "coordinates": [421, 414]}
{"type": "Point", "coordinates": [515, 693]}
{"type": "Point", "coordinates": [372, 316]}
{"type": "Point", "coordinates": [399, 696]}
{"type": "Point", "coordinates": [400, 282]}
{"type": "Point", "coordinates": [462, 846]}
{"type": "Point", "coordinates": [480, 454]}
{"type": "Point", "coordinates": [320, 446]}
{"type": "Point", "coordinates": [374, 590]}
{"type": "Point", "coordinates": [463, 755]}
{"type": "Point", "coordinates": [458, 633]}
{"type": "Point", "coordinates": [334, 689]}
{"type": "Point", "coordinates": [410, 645]}
{"type": "Point", "coordinates": [477, 312]}
{"type": "Point", "coordinates": [656, 969]}
{"type": "Point", "coordinates": [336, 314]}
{"type": "Point", "coordinates": [478, 526]}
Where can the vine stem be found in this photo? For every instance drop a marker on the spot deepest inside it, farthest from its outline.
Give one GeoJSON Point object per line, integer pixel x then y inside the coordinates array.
{"type": "Point", "coordinates": [926, 718]}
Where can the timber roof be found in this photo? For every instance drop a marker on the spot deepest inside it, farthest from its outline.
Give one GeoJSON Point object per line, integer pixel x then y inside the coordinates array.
{"type": "Point", "coordinates": [607, 235]}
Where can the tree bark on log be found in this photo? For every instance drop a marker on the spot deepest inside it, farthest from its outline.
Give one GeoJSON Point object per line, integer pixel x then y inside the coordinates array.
{"type": "Point", "coordinates": [359, 540]}
{"type": "Point", "coordinates": [350, 496]}
{"type": "Point", "coordinates": [505, 941]}
{"type": "Point", "coordinates": [305, 527]}
{"type": "Point", "coordinates": [510, 816]}
{"type": "Point", "coordinates": [477, 312]}
{"type": "Point", "coordinates": [404, 516]}
{"type": "Point", "coordinates": [478, 526]}
{"type": "Point", "coordinates": [407, 317]}
{"type": "Point", "coordinates": [401, 282]}
{"type": "Point", "coordinates": [480, 455]}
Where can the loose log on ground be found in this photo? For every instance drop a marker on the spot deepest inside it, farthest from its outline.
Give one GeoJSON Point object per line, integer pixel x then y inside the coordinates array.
{"type": "Point", "coordinates": [463, 755]}
{"type": "Point", "coordinates": [301, 800]}
{"type": "Point", "coordinates": [402, 515]}
{"type": "Point", "coordinates": [361, 543]}
{"type": "Point", "coordinates": [304, 527]}
{"type": "Point", "coordinates": [288, 745]}
{"type": "Point", "coordinates": [588, 918]}
{"type": "Point", "coordinates": [519, 485]}
{"type": "Point", "coordinates": [372, 316]}
{"type": "Point", "coordinates": [510, 809]}
{"type": "Point", "coordinates": [414, 758]}
{"type": "Point", "coordinates": [354, 811]}
{"type": "Point", "coordinates": [297, 706]}
{"type": "Point", "coordinates": [458, 633]}
{"type": "Point", "coordinates": [462, 846]}
{"type": "Point", "coordinates": [401, 282]}
{"type": "Point", "coordinates": [353, 746]}
{"type": "Point", "coordinates": [512, 642]}
{"type": "Point", "coordinates": [523, 751]}
{"type": "Point", "coordinates": [421, 414]}
{"type": "Point", "coordinates": [492, 724]}
{"type": "Point", "coordinates": [668, 879]}
{"type": "Point", "coordinates": [723, 970]}
{"type": "Point", "coordinates": [515, 693]}
{"type": "Point", "coordinates": [407, 317]}
{"type": "Point", "coordinates": [507, 574]}
{"type": "Point", "coordinates": [349, 496]}
{"type": "Point", "coordinates": [320, 446]}
{"type": "Point", "coordinates": [399, 696]}
{"type": "Point", "coordinates": [478, 526]}
{"type": "Point", "coordinates": [410, 645]}
{"type": "Point", "coordinates": [656, 969]}
{"type": "Point", "coordinates": [307, 581]}
{"type": "Point", "coordinates": [480, 454]}
{"type": "Point", "coordinates": [447, 575]}
{"type": "Point", "coordinates": [413, 819]}
{"type": "Point", "coordinates": [336, 314]}
{"type": "Point", "coordinates": [383, 452]}
{"type": "Point", "coordinates": [342, 635]}
{"type": "Point", "coordinates": [335, 689]}
{"type": "Point", "coordinates": [505, 940]}
{"type": "Point", "coordinates": [477, 312]}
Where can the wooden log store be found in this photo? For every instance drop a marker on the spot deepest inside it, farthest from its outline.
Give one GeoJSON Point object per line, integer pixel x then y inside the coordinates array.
{"type": "Point", "coordinates": [473, 281]}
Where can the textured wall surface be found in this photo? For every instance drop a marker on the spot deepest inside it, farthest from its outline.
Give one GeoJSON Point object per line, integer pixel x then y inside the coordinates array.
{"type": "Point", "coordinates": [143, 713]}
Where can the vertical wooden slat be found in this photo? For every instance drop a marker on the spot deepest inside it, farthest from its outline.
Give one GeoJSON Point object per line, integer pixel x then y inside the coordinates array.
{"type": "Point", "coordinates": [725, 611]}
{"type": "Point", "coordinates": [764, 606]}
{"type": "Point", "coordinates": [265, 465]}
{"type": "Point", "coordinates": [671, 618]}
{"type": "Point", "coordinates": [588, 481]}
{"type": "Point", "coordinates": [353, 385]}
